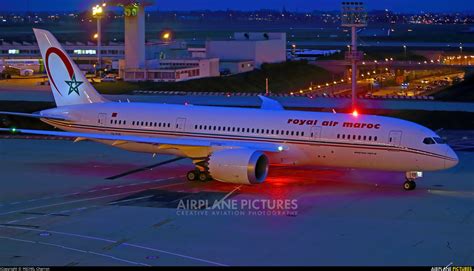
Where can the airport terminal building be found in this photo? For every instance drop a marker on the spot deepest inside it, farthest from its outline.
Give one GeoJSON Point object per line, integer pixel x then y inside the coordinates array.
{"type": "Point", "coordinates": [170, 61]}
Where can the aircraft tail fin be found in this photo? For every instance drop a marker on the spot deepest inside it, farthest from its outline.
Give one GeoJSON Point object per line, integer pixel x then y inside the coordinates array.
{"type": "Point", "coordinates": [68, 84]}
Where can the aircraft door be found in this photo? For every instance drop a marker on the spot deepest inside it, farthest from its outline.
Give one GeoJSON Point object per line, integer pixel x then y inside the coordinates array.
{"type": "Point", "coordinates": [102, 119]}
{"type": "Point", "coordinates": [180, 124]}
{"type": "Point", "coordinates": [395, 138]}
{"type": "Point", "coordinates": [315, 132]}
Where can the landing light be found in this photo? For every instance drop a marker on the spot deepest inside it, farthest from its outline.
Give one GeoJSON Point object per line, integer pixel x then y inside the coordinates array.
{"type": "Point", "coordinates": [355, 113]}
{"type": "Point", "coordinates": [280, 148]}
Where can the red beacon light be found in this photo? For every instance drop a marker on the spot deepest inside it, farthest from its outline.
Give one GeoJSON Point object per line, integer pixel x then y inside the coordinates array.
{"type": "Point", "coordinates": [355, 113]}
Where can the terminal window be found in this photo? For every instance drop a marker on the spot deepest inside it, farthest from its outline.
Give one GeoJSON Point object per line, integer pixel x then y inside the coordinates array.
{"type": "Point", "coordinates": [84, 52]}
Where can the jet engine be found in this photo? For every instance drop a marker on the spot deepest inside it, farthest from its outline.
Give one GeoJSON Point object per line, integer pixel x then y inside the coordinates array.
{"type": "Point", "coordinates": [242, 166]}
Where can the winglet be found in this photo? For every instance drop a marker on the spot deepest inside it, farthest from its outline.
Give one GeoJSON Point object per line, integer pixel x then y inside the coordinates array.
{"type": "Point", "coordinates": [270, 104]}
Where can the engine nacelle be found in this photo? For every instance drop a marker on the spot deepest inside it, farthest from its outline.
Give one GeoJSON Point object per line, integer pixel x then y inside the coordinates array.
{"type": "Point", "coordinates": [243, 166]}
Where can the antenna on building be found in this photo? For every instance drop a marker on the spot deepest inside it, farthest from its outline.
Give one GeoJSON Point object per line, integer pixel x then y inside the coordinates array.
{"type": "Point", "coordinates": [353, 16]}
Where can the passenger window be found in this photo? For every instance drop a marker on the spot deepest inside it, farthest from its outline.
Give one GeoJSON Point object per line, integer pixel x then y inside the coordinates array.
{"type": "Point", "coordinates": [375, 138]}
{"type": "Point", "coordinates": [365, 138]}
{"type": "Point", "coordinates": [302, 133]}
{"type": "Point", "coordinates": [429, 141]}
{"type": "Point", "coordinates": [359, 137]}
{"type": "Point", "coordinates": [343, 136]}
{"type": "Point", "coordinates": [370, 138]}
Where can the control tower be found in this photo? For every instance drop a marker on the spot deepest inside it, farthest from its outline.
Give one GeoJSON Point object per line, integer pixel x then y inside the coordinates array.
{"type": "Point", "coordinates": [134, 13]}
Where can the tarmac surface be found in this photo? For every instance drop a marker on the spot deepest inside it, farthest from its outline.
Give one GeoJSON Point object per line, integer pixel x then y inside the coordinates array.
{"type": "Point", "coordinates": [65, 203]}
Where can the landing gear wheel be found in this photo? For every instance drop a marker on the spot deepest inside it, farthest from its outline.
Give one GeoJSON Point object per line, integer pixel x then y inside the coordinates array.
{"type": "Point", "coordinates": [192, 175]}
{"type": "Point", "coordinates": [409, 185]}
{"type": "Point", "coordinates": [203, 177]}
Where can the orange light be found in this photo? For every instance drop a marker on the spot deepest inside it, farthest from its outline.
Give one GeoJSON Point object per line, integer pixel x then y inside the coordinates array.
{"type": "Point", "coordinates": [166, 35]}
{"type": "Point", "coordinates": [355, 113]}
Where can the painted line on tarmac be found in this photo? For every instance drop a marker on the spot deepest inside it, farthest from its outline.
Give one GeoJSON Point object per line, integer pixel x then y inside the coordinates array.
{"type": "Point", "coordinates": [88, 199]}
{"type": "Point", "coordinates": [73, 249]}
{"type": "Point", "coordinates": [144, 168]}
{"type": "Point", "coordinates": [226, 196]}
{"type": "Point", "coordinates": [56, 214]}
{"type": "Point", "coordinates": [114, 242]}
{"type": "Point", "coordinates": [128, 200]}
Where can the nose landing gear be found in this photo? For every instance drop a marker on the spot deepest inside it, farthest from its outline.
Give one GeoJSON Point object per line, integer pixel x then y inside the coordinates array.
{"type": "Point", "coordinates": [409, 185]}
{"type": "Point", "coordinates": [411, 176]}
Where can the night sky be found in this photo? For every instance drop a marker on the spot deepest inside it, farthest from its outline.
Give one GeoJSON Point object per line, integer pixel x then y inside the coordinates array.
{"type": "Point", "coordinates": [293, 5]}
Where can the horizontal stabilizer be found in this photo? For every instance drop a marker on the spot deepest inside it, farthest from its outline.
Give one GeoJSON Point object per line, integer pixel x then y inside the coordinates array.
{"type": "Point", "coordinates": [33, 115]}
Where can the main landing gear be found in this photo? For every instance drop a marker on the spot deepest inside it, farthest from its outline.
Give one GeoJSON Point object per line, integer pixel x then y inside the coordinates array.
{"type": "Point", "coordinates": [411, 176]}
{"type": "Point", "coordinates": [197, 175]}
{"type": "Point", "coordinates": [201, 173]}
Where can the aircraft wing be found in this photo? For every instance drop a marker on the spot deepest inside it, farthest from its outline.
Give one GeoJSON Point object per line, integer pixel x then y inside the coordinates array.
{"type": "Point", "coordinates": [188, 142]}
{"type": "Point", "coordinates": [33, 115]}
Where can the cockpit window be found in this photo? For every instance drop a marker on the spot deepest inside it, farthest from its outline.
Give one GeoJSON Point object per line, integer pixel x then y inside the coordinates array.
{"type": "Point", "coordinates": [439, 140]}
{"type": "Point", "coordinates": [429, 141]}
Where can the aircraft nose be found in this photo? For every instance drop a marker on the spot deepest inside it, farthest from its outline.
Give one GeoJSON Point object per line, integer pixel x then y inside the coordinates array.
{"type": "Point", "coordinates": [453, 159]}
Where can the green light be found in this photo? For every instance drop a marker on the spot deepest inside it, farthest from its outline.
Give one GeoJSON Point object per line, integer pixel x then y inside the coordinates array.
{"type": "Point", "coordinates": [13, 130]}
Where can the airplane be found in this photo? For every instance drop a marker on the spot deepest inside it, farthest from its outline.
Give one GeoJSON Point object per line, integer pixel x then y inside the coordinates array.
{"type": "Point", "coordinates": [234, 145]}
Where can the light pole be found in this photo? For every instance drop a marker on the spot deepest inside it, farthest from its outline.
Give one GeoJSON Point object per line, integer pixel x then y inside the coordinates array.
{"type": "Point", "coordinates": [353, 16]}
{"type": "Point", "coordinates": [405, 52]}
{"type": "Point", "coordinates": [98, 12]}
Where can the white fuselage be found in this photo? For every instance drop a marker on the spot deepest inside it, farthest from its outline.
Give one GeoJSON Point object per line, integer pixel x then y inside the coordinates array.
{"type": "Point", "coordinates": [310, 138]}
